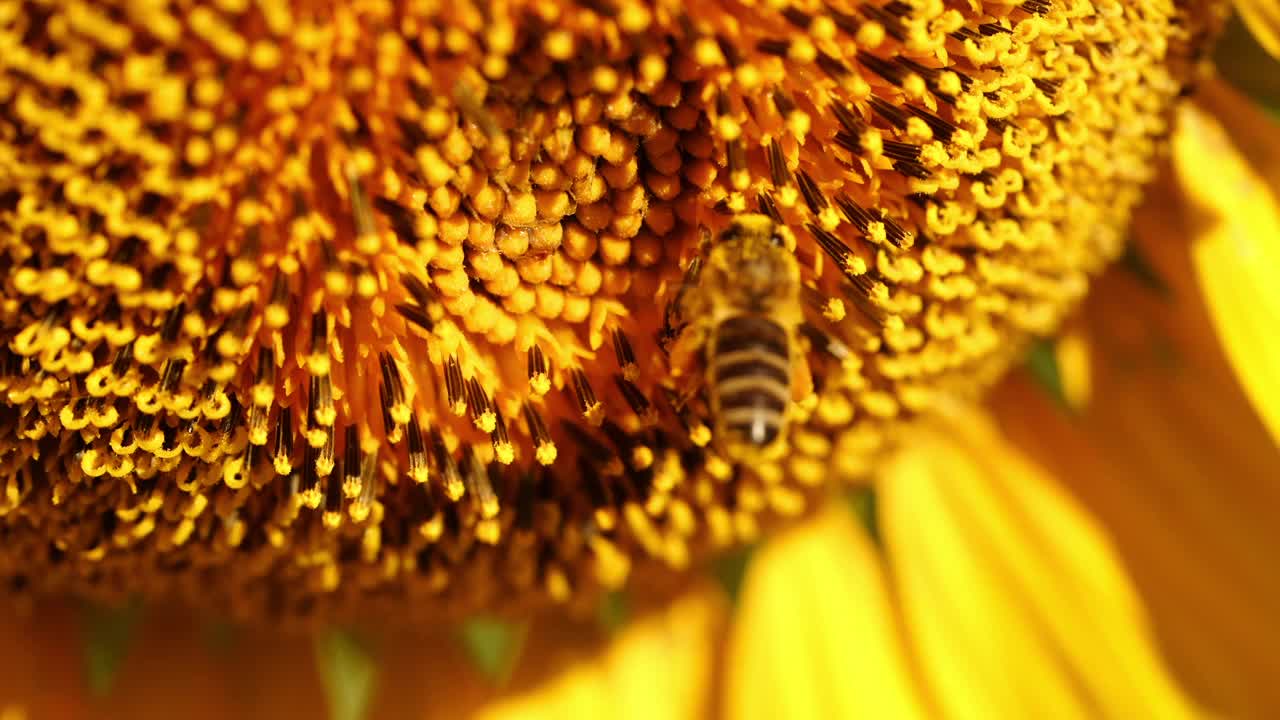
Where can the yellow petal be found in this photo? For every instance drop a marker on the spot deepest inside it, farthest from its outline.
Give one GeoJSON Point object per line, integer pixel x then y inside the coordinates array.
{"type": "Point", "coordinates": [660, 667]}
{"type": "Point", "coordinates": [1015, 602]}
{"type": "Point", "coordinates": [1263, 19]}
{"type": "Point", "coordinates": [815, 634]}
{"type": "Point", "coordinates": [1236, 249]}
{"type": "Point", "coordinates": [1171, 459]}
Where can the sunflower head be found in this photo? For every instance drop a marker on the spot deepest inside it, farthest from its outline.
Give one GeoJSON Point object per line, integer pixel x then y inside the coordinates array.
{"type": "Point", "coordinates": [307, 310]}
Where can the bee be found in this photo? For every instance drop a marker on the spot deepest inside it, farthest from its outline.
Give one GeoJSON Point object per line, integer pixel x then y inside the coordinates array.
{"type": "Point", "coordinates": [741, 311]}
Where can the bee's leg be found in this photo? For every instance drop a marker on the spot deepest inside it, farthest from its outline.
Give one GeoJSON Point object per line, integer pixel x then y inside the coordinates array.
{"type": "Point", "coordinates": [803, 398]}
{"type": "Point", "coordinates": [685, 357]}
{"type": "Point", "coordinates": [675, 315]}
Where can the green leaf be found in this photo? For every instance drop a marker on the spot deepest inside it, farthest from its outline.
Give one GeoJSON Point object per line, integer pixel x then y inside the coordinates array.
{"type": "Point", "coordinates": [1042, 363]}
{"type": "Point", "coordinates": [1137, 264]}
{"type": "Point", "coordinates": [864, 503]}
{"type": "Point", "coordinates": [348, 672]}
{"type": "Point", "coordinates": [613, 611]}
{"type": "Point", "coordinates": [108, 634]}
{"type": "Point", "coordinates": [493, 645]}
{"type": "Point", "coordinates": [730, 569]}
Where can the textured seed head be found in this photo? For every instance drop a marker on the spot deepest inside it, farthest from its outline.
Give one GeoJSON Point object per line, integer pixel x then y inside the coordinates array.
{"type": "Point", "coordinates": [305, 312]}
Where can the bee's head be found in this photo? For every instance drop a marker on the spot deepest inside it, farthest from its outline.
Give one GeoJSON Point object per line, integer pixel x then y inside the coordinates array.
{"type": "Point", "coordinates": [759, 231]}
{"type": "Point", "coordinates": [755, 255]}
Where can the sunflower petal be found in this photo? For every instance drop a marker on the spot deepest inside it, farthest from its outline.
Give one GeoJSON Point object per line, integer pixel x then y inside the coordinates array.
{"type": "Point", "coordinates": [815, 634]}
{"type": "Point", "coordinates": [658, 667]}
{"type": "Point", "coordinates": [1171, 459]}
{"type": "Point", "coordinates": [1236, 250]}
{"type": "Point", "coordinates": [1263, 19]}
{"type": "Point", "coordinates": [1015, 601]}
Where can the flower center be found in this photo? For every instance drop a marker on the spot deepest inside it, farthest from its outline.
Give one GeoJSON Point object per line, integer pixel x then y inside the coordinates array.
{"type": "Point", "coordinates": [485, 302]}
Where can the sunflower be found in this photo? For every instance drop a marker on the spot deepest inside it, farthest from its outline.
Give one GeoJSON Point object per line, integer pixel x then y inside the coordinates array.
{"type": "Point", "coordinates": [327, 313]}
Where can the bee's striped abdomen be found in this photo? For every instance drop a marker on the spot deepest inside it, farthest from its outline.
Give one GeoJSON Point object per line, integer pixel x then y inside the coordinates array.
{"type": "Point", "coordinates": [749, 368]}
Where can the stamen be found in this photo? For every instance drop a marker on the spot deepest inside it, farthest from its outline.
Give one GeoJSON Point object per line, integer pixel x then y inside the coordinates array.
{"type": "Point", "coordinates": [359, 509]}
{"type": "Point", "coordinates": [450, 478]}
{"type": "Point", "coordinates": [325, 460]}
{"type": "Point", "coordinates": [351, 484]}
{"type": "Point", "coordinates": [416, 315]}
{"type": "Point", "coordinates": [321, 411]}
{"type": "Point", "coordinates": [851, 123]}
{"type": "Point", "coordinates": [539, 375]}
{"type": "Point", "coordinates": [863, 292]}
{"type": "Point", "coordinates": [605, 516]}
{"type": "Point", "coordinates": [626, 356]}
{"type": "Point", "coordinates": [599, 453]}
{"type": "Point", "coordinates": [842, 20]}
{"type": "Point", "coordinates": [478, 484]}
{"type": "Point", "coordinates": [397, 215]}
{"type": "Point", "coordinates": [318, 360]}
{"type": "Point", "coordinates": [399, 408]}
{"type": "Point", "coordinates": [419, 471]}
{"type": "Point", "coordinates": [172, 324]}
{"type": "Point", "coordinates": [455, 386]}
{"type": "Point", "coordinates": [503, 450]}
{"type": "Point", "coordinates": [884, 68]}
{"type": "Point", "coordinates": [423, 500]}
{"type": "Point", "coordinates": [123, 359]}
{"type": "Point", "coordinates": [778, 170]}
{"type": "Point", "coordinates": [544, 448]}
{"type": "Point", "coordinates": [390, 428]}
{"type": "Point", "coordinates": [833, 66]}
{"type": "Point", "coordinates": [892, 25]}
{"type": "Point", "coordinates": [942, 130]}
{"type": "Point", "coordinates": [333, 499]}
{"type": "Point", "coordinates": [632, 447]}
{"type": "Point", "coordinates": [283, 448]}
{"type": "Point", "coordinates": [264, 388]}
{"type": "Point", "coordinates": [845, 260]}
{"type": "Point", "coordinates": [813, 196]}
{"type": "Point", "coordinates": [171, 376]}
{"type": "Point", "coordinates": [482, 411]}
{"type": "Point", "coordinates": [768, 206]}
{"type": "Point", "coordinates": [891, 113]}
{"type": "Point", "coordinates": [636, 400]}
{"type": "Point", "coordinates": [591, 409]}
{"type": "Point", "coordinates": [850, 142]}
{"type": "Point", "coordinates": [310, 494]}
{"type": "Point", "coordinates": [361, 213]}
